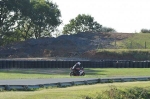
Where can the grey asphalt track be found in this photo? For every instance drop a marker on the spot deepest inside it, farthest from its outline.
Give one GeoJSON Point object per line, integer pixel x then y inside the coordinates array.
{"type": "Point", "coordinates": [51, 80]}
{"type": "Point", "coordinates": [40, 81]}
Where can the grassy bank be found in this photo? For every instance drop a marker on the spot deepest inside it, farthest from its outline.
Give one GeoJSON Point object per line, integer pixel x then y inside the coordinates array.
{"type": "Point", "coordinates": [64, 73]}
{"type": "Point", "coordinates": [136, 41]}
{"type": "Point", "coordinates": [124, 54]}
{"type": "Point", "coordinates": [135, 47]}
{"type": "Point", "coordinates": [76, 92]}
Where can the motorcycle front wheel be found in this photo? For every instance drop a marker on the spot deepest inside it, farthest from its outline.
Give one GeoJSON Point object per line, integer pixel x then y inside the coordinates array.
{"type": "Point", "coordinates": [83, 74]}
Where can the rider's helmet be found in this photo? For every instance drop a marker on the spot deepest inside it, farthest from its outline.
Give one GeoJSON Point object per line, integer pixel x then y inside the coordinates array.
{"type": "Point", "coordinates": [78, 63]}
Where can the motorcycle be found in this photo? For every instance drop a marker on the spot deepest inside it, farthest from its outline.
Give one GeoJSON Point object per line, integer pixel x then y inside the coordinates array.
{"type": "Point", "coordinates": [73, 73]}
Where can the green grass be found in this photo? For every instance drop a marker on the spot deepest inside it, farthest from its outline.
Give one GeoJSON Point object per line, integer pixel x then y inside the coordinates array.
{"type": "Point", "coordinates": [120, 51]}
{"type": "Point", "coordinates": [136, 47]}
{"type": "Point", "coordinates": [75, 92]}
{"type": "Point", "coordinates": [117, 72]}
{"type": "Point", "coordinates": [64, 73]}
{"type": "Point", "coordinates": [124, 54]}
{"type": "Point", "coordinates": [137, 41]}
{"type": "Point", "coordinates": [33, 73]}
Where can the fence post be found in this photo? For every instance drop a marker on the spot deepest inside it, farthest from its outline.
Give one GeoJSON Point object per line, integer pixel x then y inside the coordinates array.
{"type": "Point", "coordinates": [145, 44]}
{"type": "Point", "coordinates": [131, 45]}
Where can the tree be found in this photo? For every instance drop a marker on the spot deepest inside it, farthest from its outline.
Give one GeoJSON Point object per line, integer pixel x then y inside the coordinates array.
{"type": "Point", "coordinates": [145, 31]}
{"type": "Point", "coordinates": [11, 12]}
{"type": "Point", "coordinates": [25, 28]}
{"type": "Point", "coordinates": [23, 19]}
{"type": "Point", "coordinates": [24, 24]}
{"type": "Point", "coordinates": [45, 17]}
{"type": "Point", "coordinates": [7, 19]}
{"type": "Point", "coordinates": [108, 30]}
{"type": "Point", "coordinates": [82, 23]}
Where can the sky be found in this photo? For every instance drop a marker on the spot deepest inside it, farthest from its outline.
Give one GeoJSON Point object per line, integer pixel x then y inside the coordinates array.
{"type": "Point", "coordinates": [126, 16]}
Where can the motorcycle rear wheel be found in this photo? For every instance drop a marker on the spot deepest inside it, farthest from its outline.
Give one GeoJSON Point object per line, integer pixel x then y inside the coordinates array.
{"type": "Point", "coordinates": [71, 73]}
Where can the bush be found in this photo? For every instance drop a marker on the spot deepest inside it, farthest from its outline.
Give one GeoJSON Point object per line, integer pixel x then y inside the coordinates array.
{"type": "Point", "coordinates": [114, 93]}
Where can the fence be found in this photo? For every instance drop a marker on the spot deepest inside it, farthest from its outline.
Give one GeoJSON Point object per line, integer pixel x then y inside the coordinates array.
{"type": "Point", "coordinates": [133, 45]}
{"type": "Point", "coordinates": [124, 45]}
{"type": "Point", "coordinates": [67, 64]}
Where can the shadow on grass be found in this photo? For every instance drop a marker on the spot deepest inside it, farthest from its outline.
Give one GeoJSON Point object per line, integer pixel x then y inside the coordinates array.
{"type": "Point", "coordinates": [91, 71]}
{"type": "Point", "coordinates": [46, 71]}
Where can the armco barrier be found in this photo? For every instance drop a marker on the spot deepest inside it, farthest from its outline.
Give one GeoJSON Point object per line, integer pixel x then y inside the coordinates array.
{"type": "Point", "coordinates": [72, 83]}
{"type": "Point", "coordinates": [8, 63]}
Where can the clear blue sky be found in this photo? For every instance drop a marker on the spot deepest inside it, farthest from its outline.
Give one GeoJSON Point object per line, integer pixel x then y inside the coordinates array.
{"type": "Point", "coordinates": [122, 15]}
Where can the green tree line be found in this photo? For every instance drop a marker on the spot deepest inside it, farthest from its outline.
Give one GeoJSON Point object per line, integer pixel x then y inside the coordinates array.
{"type": "Point", "coordinates": [24, 19]}
{"type": "Point", "coordinates": [84, 23]}
{"type": "Point", "coordinates": [145, 30]}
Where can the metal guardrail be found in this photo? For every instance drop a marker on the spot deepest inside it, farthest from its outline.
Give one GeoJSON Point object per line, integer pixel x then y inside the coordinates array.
{"type": "Point", "coordinates": [73, 83]}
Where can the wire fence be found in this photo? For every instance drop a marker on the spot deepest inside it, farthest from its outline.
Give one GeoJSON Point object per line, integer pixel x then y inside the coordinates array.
{"type": "Point", "coordinates": [133, 45]}
{"type": "Point", "coordinates": [123, 45]}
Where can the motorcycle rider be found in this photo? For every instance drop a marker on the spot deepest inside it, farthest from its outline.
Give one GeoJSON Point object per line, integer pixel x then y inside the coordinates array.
{"type": "Point", "coordinates": [76, 68]}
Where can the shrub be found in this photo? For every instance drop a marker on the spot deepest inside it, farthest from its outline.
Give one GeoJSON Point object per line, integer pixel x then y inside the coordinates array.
{"type": "Point", "coordinates": [114, 93]}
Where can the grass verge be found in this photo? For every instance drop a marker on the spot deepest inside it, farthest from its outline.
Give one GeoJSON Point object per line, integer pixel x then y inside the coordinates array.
{"type": "Point", "coordinates": [64, 73]}
{"type": "Point", "coordinates": [75, 92]}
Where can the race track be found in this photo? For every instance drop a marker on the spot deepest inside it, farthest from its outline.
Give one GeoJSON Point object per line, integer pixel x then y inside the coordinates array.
{"type": "Point", "coordinates": [40, 81]}
{"type": "Point", "coordinates": [61, 80]}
